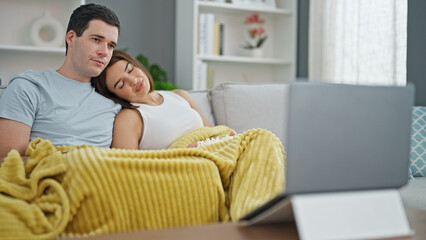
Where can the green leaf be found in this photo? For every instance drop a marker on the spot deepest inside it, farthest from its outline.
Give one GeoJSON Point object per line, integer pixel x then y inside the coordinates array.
{"type": "Point", "coordinates": [142, 59]}
{"type": "Point", "coordinates": [164, 85]}
{"type": "Point", "coordinates": [247, 45]}
{"type": "Point", "coordinates": [158, 73]}
{"type": "Point", "coordinates": [261, 41]}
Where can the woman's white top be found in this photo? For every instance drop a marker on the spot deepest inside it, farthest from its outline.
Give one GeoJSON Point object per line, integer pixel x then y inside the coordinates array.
{"type": "Point", "coordinates": [166, 122]}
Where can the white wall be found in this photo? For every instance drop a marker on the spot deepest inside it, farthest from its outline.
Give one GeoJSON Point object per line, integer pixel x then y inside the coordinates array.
{"type": "Point", "coordinates": [147, 27]}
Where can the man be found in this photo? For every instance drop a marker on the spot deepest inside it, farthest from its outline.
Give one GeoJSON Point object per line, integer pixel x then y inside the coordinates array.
{"type": "Point", "coordinates": [61, 105]}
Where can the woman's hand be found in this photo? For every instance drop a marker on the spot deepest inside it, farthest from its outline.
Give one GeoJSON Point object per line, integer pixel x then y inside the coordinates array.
{"type": "Point", "coordinates": [193, 145]}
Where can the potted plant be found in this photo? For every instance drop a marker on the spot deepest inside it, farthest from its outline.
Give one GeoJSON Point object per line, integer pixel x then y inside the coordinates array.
{"type": "Point", "coordinates": [256, 35]}
{"type": "Point", "coordinates": [158, 74]}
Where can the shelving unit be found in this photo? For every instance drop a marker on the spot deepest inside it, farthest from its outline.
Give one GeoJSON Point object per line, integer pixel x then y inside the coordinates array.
{"type": "Point", "coordinates": [17, 52]}
{"type": "Point", "coordinates": [236, 59]}
{"type": "Point", "coordinates": [278, 63]}
{"type": "Point", "coordinates": [12, 48]}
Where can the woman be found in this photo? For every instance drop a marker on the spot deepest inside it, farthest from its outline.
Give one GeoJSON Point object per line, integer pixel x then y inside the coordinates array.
{"type": "Point", "coordinates": [149, 119]}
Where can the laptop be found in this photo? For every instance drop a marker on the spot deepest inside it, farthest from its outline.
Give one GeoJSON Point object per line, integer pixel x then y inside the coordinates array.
{"type": "Point", "coordinates": [342, 138]}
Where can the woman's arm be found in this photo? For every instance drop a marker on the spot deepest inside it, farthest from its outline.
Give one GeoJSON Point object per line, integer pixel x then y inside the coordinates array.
{"type": "Point", "coordinates": [193, 105]}
{"type": "Point", "coordinates": [128, 129]}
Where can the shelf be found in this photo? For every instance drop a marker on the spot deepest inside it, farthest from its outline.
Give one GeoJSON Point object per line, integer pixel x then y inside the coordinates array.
{"type": "Point", "coordinates": [197, 68]}
{"type": "Point", "coordinates": [17, 53]}
{"type": "Point", "coordinates": [228, 7]}
{"type": "Point", "coordinates": [235, 59]}
{"type": "Point", "coordinates": [31, 49]}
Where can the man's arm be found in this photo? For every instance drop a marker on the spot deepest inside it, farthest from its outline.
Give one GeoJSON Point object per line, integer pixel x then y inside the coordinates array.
{"type": "Point", "coordinates": [13, 135]}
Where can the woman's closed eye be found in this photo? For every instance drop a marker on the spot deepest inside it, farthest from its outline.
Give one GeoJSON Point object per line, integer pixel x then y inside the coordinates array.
{"type": "Point", "coordinates": [117, 86]}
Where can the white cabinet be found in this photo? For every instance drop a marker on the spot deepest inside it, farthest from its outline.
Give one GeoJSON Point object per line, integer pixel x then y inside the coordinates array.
{"type": "Point", "coordinates": [17, 51]}
{"type": "Point", "coordinates": [278, 63]}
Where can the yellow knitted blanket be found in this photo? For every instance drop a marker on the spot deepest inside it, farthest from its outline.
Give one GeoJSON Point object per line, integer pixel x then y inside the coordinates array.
{"type": "Point", "coordinates": [85, 190]}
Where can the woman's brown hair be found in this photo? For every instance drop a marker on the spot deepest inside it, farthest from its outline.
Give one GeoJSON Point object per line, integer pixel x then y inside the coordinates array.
{"type": "Point", "coordinates": [99, 82]}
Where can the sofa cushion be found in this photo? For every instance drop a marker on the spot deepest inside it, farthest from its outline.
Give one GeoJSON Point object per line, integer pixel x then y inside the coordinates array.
{"type": "Point", "coordinates": [418, 142]}
{"type": "Point", "coordinates": [242, 106]}
{"type": "Point", "coordinates": [202, 98]}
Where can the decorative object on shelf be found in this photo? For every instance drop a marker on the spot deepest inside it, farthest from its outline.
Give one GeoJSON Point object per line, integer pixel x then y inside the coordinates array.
{"type": "Point", "coordinates": [217, 1]}
{"type": "Point", "coordinates": [256, 36]}
{"type": "Point", "coordinates": [47, 32]}
{"type": "Point", "coordinates": [159, 75]}
{"type": "Point", "coordinates": [255, 3]}
{"type": "Point", "coordinates": [270, 3]}
{"type": "Point", "coordinates": [254, 52]}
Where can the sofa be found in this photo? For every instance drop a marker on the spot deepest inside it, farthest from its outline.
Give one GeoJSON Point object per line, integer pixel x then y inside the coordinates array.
{"type": "Point", "coordinates": [86, 190]}
{"type": "Point", "coordinates": [243, 106]}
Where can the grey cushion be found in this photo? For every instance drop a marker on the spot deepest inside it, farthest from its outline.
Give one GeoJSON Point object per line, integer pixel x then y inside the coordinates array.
{"type": "Point", "coordinates": [202, 98]}
{"type": "Point", "coordinates": [243, 106]}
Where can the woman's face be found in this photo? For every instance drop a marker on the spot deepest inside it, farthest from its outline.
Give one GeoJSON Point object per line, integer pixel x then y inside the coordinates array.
{"type": "Point", "coordinates": [127, 82]}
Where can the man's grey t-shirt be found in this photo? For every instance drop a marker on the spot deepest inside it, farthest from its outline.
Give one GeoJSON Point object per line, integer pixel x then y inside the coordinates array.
{"type": "Point", "coordinates": [62, 110]}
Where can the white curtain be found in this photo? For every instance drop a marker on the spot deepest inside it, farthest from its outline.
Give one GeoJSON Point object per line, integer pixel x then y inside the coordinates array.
{"type": "Point", "coordinates": [358, 41]}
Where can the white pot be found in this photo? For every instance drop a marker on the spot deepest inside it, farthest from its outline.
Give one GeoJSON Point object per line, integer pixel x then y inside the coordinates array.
{"type": "Point", "coordinates": [254, 52]}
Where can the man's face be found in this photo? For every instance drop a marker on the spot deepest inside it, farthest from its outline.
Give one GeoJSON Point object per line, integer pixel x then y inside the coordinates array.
{"type": "Point", "coordinates": [92, 51]}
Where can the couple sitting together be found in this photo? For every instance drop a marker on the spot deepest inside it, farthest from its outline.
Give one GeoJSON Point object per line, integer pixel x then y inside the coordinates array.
{"type": "Point", "coordinates": [102, 98]}
{"type": "Point", "coordinates": [63, 106]}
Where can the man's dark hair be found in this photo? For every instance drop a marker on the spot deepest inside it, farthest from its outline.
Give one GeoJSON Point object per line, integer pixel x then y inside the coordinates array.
{"type": "Point", "coordinates": [81, 16]}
